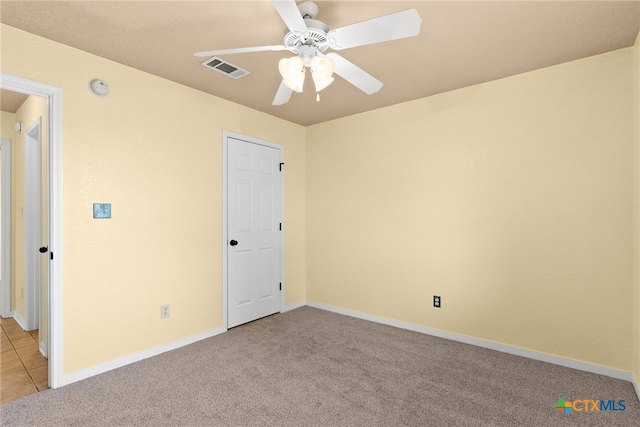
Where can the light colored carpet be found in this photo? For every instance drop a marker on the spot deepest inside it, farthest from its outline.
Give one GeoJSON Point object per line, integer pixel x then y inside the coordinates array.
{"type": "Point", "coordinates": [309, 367]}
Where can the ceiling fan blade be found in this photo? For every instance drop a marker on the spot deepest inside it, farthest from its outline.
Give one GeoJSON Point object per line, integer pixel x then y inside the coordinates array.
{"type": "Point", "coordinates": [240, 50]}
{"type": "Point", "coordinates": [290, 14]}
{"type": "Point", "coordinates": [389, 27]}
{"type": "Point", "coordinates": [282, 95]}
{"type": "Point", "coordinates": [354, 74]}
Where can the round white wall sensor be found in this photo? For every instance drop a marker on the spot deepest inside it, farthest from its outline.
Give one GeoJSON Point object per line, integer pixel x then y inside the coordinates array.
{"type": "Point", "coordinates": [99, 87]}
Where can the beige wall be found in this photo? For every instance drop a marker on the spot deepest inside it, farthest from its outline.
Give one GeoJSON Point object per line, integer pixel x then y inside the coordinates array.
{"type": "Point", "coordinates": [153, 149]}
{"type": "Point", "coordinates": [636, 217]}
{"type": "Point", "coordinates": [7, 122]}
{"type": "Point", "coordinates": [512, 200]}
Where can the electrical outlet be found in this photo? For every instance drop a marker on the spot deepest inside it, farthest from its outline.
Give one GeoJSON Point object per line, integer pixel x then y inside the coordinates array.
{"type": "Point", "coordinates": [436, 301]}
{"type": "Point", "coordinates": [164, 311]}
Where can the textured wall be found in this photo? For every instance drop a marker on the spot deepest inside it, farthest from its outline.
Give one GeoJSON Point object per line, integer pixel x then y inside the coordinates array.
{"type": "Point", "coordinates": [153, 149]}
{"type": "Point", "coordinates": [512, 200]}
{"type": "Point", "coordinates": [7, 121]}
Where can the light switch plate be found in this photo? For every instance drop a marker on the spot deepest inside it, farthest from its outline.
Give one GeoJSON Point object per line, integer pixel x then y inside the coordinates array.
{"type": "Point", "coordinates": [102, 210]}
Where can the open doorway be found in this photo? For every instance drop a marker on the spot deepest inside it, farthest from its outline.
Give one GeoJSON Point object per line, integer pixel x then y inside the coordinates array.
{"type": "Point", "coordinates": [52, 260]}
{"type": "Point", "coordinates": [24, 278]}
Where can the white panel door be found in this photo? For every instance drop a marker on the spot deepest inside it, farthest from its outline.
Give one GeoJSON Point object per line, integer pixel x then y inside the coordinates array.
{"type": "Point", "coordinates": [254, 204]}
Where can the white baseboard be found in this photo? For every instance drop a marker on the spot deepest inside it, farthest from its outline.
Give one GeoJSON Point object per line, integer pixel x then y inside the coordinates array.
{"type": "Point", "coordinates": [557, 360]}
{"type": "Point", "coordinates": [293, 306]}
{"type": "Point", "coordinates": [118, 363]}
{"type": "Point", "coordinates": [543, 357]}
{"type": "Point", "coordinates": [123, 361]}
{"type": "Point", "coordinates": [43, 349]}
{"type": "Point", "coordinates": [20, 320]}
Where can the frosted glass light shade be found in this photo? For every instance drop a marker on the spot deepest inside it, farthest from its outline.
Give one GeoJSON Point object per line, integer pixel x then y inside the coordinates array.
{"type": "Point", "coordinates": [321, 71]}
{"type": "Point", "coordinates": [321, 66]}
{"type": "Point", "coordinates": [292, 71]}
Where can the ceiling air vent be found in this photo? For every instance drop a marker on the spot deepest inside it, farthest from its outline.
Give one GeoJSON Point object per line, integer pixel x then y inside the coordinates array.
{"type": "Point", "coordinates": [225, 67]}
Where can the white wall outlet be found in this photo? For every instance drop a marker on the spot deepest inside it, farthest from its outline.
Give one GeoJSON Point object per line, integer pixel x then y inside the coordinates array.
{"type": "Point", "coordinates": [164, 311]}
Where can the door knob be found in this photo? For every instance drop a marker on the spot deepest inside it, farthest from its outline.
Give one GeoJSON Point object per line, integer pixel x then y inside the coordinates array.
{"type": "Point", "coordinates": [43, 250]}
{"type": "Point", "coordinates": [233, 242]}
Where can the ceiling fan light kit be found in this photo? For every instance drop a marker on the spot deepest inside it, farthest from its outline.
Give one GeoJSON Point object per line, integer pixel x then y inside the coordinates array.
{"type": "Point", "coordinates": [292, 71]}
{"type": "Point", "coordinates": [309, 38]}
{"type": "Point", "coordinates": [321, 71]}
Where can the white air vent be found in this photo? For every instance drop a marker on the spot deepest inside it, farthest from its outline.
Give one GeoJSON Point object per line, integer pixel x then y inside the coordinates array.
{"type": "Point", "coordinates": [224, 67]}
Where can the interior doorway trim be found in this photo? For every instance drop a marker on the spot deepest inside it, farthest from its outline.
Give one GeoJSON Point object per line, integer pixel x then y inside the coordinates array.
{"type": "Point", "coordinates": [53, 95]}
{"type": "Point", "coordinates": [225, 278]}
{"type": "Point", "coordinates": [5, 226]}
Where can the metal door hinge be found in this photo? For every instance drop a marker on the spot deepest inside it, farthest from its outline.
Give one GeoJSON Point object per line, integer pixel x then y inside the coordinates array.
{"type": "Point", "coordinates": [281, 164]}
{"type": "Point", "coordinates": [280, 226]}
{"type": "Point", "coordinates": [280, 285]}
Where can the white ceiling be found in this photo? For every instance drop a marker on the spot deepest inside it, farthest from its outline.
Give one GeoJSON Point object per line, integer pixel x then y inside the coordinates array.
{"type": "Point", "coordinates": [460, 43]}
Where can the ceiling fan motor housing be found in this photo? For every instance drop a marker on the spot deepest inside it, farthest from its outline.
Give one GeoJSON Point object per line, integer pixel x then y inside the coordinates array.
{"type": "Point", "coordinates": [316, 35]}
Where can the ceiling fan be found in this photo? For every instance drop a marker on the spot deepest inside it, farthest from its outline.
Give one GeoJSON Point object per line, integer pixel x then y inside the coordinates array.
{"type": "Point", "coordinates": [309, 38]}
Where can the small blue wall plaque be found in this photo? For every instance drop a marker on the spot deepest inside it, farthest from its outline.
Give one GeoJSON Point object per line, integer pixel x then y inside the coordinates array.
{"type": "Point", "coordinates": [102, 210]}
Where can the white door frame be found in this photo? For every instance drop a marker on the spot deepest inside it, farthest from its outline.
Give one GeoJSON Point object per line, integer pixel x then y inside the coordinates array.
{"type": "Point", "coordinates": [55, 336]}
{"type": "Point", "coordinates": [225, 246]}
{"type": "Point", "coordinates": [5, 226]}
{"type": "Point", "coordinates": [33, 215]}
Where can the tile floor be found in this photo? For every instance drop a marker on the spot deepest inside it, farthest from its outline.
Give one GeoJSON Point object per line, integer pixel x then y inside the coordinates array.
{"type": "Point", "coordinates": [24, 370]}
